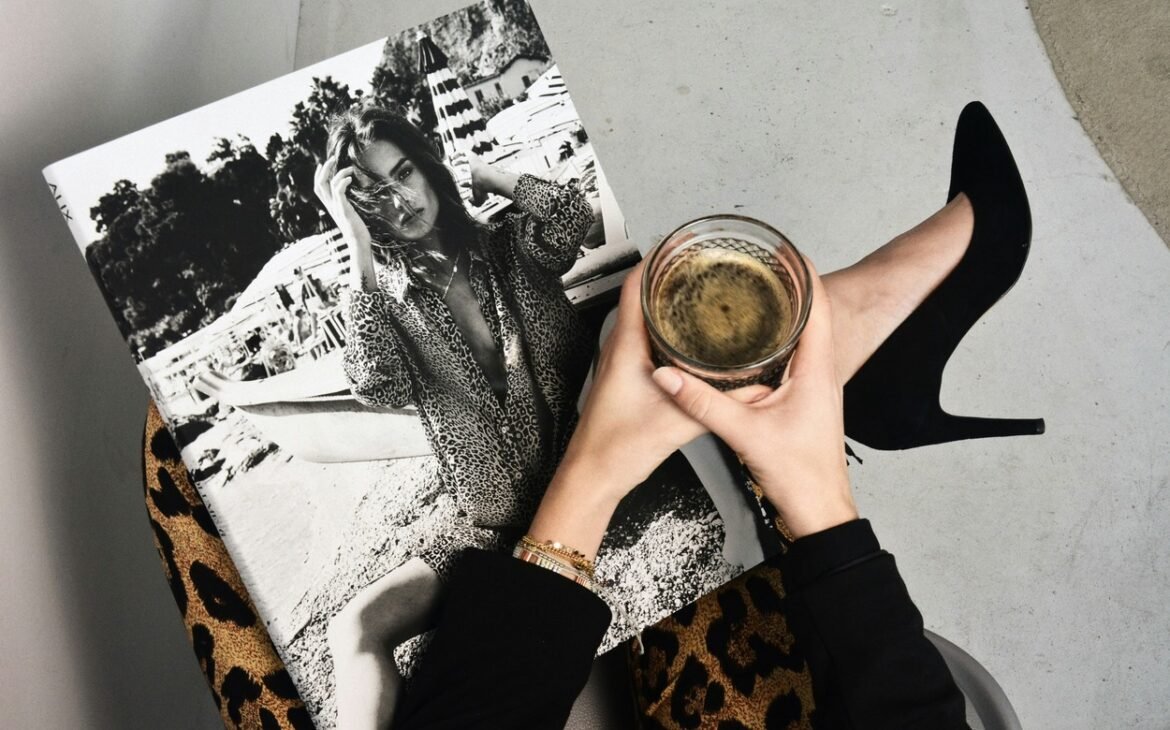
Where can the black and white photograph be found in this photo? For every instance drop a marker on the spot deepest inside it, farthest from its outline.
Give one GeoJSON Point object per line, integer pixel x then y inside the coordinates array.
{"type": "Point", "coordinates": [366, 297]}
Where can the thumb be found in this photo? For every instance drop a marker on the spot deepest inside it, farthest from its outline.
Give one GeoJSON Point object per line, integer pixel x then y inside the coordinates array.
{"type": "Point", "coordinates": [714, 410]}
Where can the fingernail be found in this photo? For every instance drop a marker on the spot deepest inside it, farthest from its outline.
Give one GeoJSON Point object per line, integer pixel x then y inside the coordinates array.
{"type": "Point", "coordinates": [668, 379]}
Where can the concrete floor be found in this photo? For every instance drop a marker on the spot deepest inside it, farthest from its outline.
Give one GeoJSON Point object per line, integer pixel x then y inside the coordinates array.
{"type": "Point", "coordinates": [1044, 557]}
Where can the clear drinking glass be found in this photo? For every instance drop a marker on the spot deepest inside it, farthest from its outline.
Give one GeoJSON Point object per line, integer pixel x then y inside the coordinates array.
{"type": "Point", "coordinates": [739, 235]}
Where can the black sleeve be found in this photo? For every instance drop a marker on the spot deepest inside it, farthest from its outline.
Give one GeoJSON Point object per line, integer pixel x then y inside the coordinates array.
{"type": "Point", "coordinates": [513, 648]}
{"type": "Point", "coordinates": [862, 636]}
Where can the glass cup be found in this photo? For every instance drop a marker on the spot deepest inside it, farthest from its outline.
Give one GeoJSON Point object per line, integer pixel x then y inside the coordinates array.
{"type": "Point", "coordinates": [706, 260]}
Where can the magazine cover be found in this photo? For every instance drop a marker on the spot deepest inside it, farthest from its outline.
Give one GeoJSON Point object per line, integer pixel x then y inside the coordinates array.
{"type": "Point", "coordinates": [365, 297]}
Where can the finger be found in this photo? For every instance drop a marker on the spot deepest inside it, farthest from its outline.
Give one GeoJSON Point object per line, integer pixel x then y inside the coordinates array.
{"type": "Point", "coordinates": [328, 166]}
{"type": "Point", "coordinates": [814, 352]}
{"type": "Point", "coordinates": [339, 184]}
{"type": "Point", "coordinates": [342, 179]}
{"type": "Point", "coordinates": [630, 305]}
{"type": "Point", "coordinates": [750, 393]}
{"type": "Point", "coordinates": [320, 178]}
{"type": "Point", "coordinates": [326, 169]}
{"type": "Point", "coordinates": [628, 333]}
{"type": "Point", "coordinates": [718, 412]}
{"type": "Point", "coordinates": [345, 172]}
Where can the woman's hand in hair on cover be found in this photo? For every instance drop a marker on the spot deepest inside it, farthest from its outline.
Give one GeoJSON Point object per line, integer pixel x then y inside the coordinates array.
{"type": "Point", "coordinates": [483, 178]}
{"type": "Point", "coordinates": [330, 186]}
{"type": "Point", "coordinates": [791, 439]}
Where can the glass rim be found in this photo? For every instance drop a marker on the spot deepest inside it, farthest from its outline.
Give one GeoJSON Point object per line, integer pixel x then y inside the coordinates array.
{"type": "Point", "coordinates": [784, 348]}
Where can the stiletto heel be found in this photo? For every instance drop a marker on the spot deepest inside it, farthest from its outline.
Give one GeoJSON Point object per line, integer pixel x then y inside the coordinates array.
{"type": "Point", "coordinates": [944, 427]}
{"type": "Point", "coordinates": [892, 402]}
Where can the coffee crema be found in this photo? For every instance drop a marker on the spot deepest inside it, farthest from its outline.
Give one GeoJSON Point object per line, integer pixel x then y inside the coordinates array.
{"type": "Point", "coordinates": [722, 308]}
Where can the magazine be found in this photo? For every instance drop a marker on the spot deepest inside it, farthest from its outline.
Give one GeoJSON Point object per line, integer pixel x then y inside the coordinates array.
{"type": "Point", "coordinates": [337, 425]}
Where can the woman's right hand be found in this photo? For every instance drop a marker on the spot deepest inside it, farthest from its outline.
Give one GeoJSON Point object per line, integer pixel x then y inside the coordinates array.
{"type": "Point", "coordinates": [330, 185]}
{"type": "Point", "coordinates": [627, 427]}
{"type": "Point", "coordinates": [792, 440]}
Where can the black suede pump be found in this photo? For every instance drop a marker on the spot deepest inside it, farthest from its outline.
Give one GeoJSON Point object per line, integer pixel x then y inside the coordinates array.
{"type": "Point", "coordinates": [892, 402]}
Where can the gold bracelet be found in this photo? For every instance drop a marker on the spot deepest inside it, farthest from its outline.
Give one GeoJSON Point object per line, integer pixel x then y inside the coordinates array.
{"type": "Point", "coordinates": [556, 566]}
{"type": "Point", "coordinates": [576, 558]}
{"type": "Point", "coordinates": [777, 521]}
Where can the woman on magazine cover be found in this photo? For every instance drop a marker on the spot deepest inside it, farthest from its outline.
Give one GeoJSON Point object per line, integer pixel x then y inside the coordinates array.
{"type": "Point", "coordinates": [470, 324]}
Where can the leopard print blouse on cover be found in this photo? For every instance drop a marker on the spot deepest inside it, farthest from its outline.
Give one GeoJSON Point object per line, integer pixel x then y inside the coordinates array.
{"type": "Point", "coordinates": [494, 456]}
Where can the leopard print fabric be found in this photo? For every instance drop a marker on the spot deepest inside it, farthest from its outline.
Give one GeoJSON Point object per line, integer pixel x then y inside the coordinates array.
{"type": "Point", "coordinates": [247, 679]}
{"type": "Point", "coordinates": [404, 347]}
{"type": "Point", "coordinates": [725, 662]}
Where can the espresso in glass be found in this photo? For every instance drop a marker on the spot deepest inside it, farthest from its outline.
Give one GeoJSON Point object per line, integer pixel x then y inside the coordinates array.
{"type": "Point", "coordinates": [725, 298]}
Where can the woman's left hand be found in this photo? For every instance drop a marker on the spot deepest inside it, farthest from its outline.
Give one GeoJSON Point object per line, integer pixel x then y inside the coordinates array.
{"type": "Point", "coordinates": [627, 428]}
{"type": "Point", "coordinates": [629, 425]}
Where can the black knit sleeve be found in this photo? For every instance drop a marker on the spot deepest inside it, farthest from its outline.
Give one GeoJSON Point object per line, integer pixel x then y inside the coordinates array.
{"type": "Point", "coordinates": [513, 649]}
{"type": "Point", "coordinates": [862, 636]}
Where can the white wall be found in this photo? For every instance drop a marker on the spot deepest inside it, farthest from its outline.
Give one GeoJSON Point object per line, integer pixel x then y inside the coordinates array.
{"type": "Point", "coordinates": [89, 634]}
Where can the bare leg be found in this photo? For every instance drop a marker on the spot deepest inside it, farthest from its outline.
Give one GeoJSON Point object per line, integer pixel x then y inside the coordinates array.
{"type": "Point", "coordinates": [873, 296]}
{"type": "Point", "coordinates": [362, 637]}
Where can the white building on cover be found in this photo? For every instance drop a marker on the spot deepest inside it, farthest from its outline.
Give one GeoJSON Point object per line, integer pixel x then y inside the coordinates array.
{"type": "Point", "coordinates": [510, 81]}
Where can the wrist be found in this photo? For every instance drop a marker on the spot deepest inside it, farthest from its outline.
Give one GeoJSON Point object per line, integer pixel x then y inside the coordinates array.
{"type": "Point", "coordinates": [363, 275]}
{"type": "Point", "coordinates": [811, 502]}
{"type": "Point", "coordinates": [496, 181]}
{"type": "Point", "coordinates": [576, 508]}
{"type": "Point", "coordinates": [582, 469]}
{"type": "Point", "coordinates": [588, 483]}
{"type": "Point", "coordinates": [810, 518]}
{"type": "Point", "coordinates": [363, 282]}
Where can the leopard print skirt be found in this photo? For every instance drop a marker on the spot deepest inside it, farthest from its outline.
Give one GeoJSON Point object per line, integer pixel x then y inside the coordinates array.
{"type": "Point", "coordinates": [725, 662]}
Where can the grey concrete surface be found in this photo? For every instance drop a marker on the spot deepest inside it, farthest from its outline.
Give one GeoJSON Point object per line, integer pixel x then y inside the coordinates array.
{"type": "Point", "coordinates": [1043, 557]}
{"type": "Point", "coordinates": [89, 634]}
